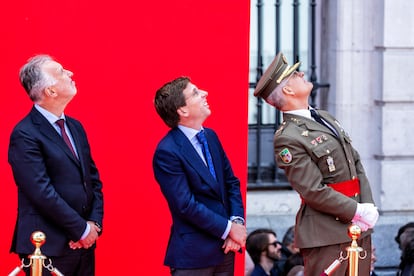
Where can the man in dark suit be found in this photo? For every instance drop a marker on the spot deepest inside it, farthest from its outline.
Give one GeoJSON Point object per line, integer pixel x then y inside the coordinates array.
{"type": "Point", "coordinates": [199, 185]}
{"type": "Point", "coordinates": [323, 167]}
{"type": "Point", "coordinates": [59, 190]}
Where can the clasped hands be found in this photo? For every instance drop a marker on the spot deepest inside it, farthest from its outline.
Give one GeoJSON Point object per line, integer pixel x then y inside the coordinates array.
{"type": "Point", "coordinates": [366, 216]}
{"type": "Point", "coordinates": [89, 240]}
{"type": "Point", "coordinates": [236, 238]}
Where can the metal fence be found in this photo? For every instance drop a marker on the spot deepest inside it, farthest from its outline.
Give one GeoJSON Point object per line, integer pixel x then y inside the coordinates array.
{"type": "Point", "coordinates": [293, 26]}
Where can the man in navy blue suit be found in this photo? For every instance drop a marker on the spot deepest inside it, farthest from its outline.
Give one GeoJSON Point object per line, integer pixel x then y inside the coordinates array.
{"type": "Point", "coordinates": [198, 183]}
{"type": "Point", "coordinates": [58, 185]}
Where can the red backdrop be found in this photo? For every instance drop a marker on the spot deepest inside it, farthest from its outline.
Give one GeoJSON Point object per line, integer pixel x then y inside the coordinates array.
{"type": "Point", "coordinates": [120, 53]}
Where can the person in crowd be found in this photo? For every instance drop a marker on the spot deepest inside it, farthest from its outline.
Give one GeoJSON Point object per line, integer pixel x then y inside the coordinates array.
{"type": "Point", "coordinates": [264, 250]}
{"type": "Point", "coordinates": [373, 260]}
{"type": "Point", "coordinates": [288, 247]}
{"type": "Point", "coordinates": [59, 191]}
{"type": "Point", "coordinates": [248, 264]}
{"type": "Point", "coordinates": [405, 240]}
{"type": "Point", "coordinates": [297, 270]}
{"type": "Point", "coordinates": [197, 180]}
{"type": "Point", "coordinates": [321, 164]}
{"type": "Point", "coordinates": [293, 260]}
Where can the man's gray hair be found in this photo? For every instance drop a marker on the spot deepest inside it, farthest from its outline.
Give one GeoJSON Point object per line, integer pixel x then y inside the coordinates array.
{"type": "Point", "coordinates": [277, 98]}
{"type": "Point", "coordinates": [34, 79]}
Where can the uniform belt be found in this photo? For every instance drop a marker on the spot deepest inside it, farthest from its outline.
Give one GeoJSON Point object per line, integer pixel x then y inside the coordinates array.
{"type": "Point", "coordinates": [348, 188]}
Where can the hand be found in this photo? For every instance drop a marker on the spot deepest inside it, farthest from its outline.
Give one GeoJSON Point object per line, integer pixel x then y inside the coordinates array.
{"type": "Point", "coordinates": [91, 238]}
{"type": "Point", "coordinates": [361, 225]}
{"type": "Point", "coordinates": [230, 245]}
{"type": "Point", "coordinates": [238, 234]}
{"type": "Point", "coordinates": [366, 213]}
{"type": "Point", "coordinates": [75, 245]}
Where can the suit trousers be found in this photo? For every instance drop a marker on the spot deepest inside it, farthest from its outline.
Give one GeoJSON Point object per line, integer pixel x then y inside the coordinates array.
{"type": "Point", "coordinates": [320, 258]}
{"type": "Point", "coordinates": [226, 268]}
{"type": "Point", "coordinates": [79, 262]}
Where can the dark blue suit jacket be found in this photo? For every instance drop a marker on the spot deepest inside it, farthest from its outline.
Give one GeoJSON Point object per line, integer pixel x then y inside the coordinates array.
{"type": "Point", "coordinates": [57, 193]}
{"type": "Point", "coordinates": [200, 206]}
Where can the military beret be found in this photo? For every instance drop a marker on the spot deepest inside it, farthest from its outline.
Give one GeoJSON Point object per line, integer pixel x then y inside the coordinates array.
{"type": "Point", "coordinates": [277, 71]}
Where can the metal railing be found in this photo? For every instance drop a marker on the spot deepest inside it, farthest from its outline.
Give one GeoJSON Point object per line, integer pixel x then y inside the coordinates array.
{"type": "Point", "coordinates": [262, 170]}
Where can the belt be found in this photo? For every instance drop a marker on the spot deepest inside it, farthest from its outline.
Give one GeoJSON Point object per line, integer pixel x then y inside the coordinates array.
{"type": "Point", "coordinates": [348, 188]}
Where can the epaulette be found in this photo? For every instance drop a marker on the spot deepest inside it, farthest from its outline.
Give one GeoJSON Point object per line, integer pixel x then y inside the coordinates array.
{"type": "Point", "coordinates": [280, 129]}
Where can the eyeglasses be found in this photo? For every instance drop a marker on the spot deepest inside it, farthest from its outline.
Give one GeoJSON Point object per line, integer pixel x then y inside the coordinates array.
{"type": "Point", "coordinates": [275, 243]}
{"type": "Point", "coordinates": [195, 93]}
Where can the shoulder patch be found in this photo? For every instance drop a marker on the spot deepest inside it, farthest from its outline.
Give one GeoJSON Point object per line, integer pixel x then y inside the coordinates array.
{"type": "Point", "coordinates": [286, 156]}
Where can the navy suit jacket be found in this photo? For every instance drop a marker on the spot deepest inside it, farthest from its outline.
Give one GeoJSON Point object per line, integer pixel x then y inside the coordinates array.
{"type": "Point", "coordinates": [57, 193]}
{"type": "Point", "coordinates": [200, 206]}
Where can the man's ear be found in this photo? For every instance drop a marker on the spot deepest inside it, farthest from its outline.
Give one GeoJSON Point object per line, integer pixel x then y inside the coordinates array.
{"type": "Point", "coordinates": [50, 92]}
{"type": "Point", "coordinates": [288, 90]}
{"type": "Point", "coordinates": [182, 111]}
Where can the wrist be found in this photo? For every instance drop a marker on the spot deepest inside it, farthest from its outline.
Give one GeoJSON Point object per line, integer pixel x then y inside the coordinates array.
{"type": "Point", "coordinates": [98, 225]}
{"type": "Point", "coordinates": [238, 221]}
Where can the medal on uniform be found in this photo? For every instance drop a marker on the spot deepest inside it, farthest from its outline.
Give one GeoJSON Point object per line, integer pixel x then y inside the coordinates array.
{"type": "Point", "coordinates": [331, 165]}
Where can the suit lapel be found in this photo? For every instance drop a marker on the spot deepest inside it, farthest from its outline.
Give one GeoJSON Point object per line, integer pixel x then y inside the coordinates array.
{"type": "Point", "coordinates": [334, 123]}
{"type": "Point", "coordinates": [50, 132]}
{"type": "Point", "coordinates": [195, 161]}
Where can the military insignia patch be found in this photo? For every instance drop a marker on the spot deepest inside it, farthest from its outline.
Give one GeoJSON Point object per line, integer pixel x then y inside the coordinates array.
{"type": "Point", "coordinates": [286, 156]}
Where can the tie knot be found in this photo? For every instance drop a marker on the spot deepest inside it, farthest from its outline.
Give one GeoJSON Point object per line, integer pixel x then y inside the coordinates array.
{"type": "Point", "coordinates": [60, 123]}
{"type": "Point", "coordinates": [314, 114]}
{"type": "Point", "coordinates": [201, 136]}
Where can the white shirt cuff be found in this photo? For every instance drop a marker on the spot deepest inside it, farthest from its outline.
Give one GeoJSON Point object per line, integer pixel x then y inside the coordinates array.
{"type": "Point", "coordinates": [86, 232]}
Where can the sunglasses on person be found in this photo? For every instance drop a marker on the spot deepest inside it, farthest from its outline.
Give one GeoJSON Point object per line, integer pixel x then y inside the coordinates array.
{"type": "Point", "coordinates": [275, 243]}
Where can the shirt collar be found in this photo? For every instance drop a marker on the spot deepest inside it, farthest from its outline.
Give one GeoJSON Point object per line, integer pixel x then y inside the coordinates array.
{"type": "Point", "coordinates": [52, 118]}
{"type": "Point", "coordinates": [189, 132]}
{"type": "Point", "coordinates": [301, 112]}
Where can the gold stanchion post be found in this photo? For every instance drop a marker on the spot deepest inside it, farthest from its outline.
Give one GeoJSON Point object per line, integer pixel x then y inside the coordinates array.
{"type": "Point", "coordinates": [37, 259]}
{"type": "Point", "coordinates": [353, 251]}
{"type": "Point", "coordinates": [352, 254]}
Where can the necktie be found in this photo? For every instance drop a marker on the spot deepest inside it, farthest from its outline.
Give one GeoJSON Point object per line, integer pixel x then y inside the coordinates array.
{"type": "Point", "coordinates": [61, 124]}
{"type": "Point", "coordinates": [318, 118]}
{"type": "Point", "coordinates": [203, 141]}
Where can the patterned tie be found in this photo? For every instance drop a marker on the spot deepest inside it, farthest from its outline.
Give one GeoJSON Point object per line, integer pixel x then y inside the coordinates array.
{"type": "Point", "coordinates": [203, 141]}
{"type": "Point", "coordinates": [61, 124]}
{"type": "Point", "coordinates": [318, 118]}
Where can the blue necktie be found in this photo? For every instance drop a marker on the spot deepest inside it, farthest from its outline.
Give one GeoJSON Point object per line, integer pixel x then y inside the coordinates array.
{"type": "Point", "coordinates": [203, 141]}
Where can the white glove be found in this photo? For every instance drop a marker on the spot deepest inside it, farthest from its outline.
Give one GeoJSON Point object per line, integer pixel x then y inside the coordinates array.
{"type": "Point", "coordinates": [361, 225]}
{"type": "Point", "coordinates": [366, 213]}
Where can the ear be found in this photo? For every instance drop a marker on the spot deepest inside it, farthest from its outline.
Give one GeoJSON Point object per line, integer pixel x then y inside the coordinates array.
{"type": "Point", "coordinates": [182, 111]}
{"type": "Point", "coordinates": [287, 90]}
{"type": "Point", "coordinates": [50, 92]}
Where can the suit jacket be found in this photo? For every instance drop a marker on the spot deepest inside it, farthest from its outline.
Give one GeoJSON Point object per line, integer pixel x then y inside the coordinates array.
{"type": "Point", "coordinates": [312, 156]}
{"type": "Point", "coordinates": [200, 206]}
{"type": "Point", "coordinates": [57, 193]}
